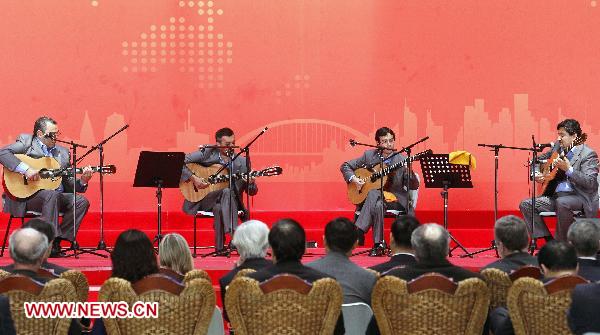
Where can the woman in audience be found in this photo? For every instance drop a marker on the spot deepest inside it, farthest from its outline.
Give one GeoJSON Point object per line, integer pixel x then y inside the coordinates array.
{"type": "Point", "coordinates": [174, 253]}
{"type": "Point", "coordinates": [132, 259]}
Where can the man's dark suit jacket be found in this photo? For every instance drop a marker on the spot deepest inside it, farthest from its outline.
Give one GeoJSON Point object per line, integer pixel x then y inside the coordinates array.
{"type": "Point", "coordinates": [582, 316]}
{"type": "Point", "coordinates": [395, 261]}
{"type": "Point", "coordinates": [444, 267]}
{"type": "Point", "coordinates": [589, 269]}
{"type": "Point", "coordinates": [55, 268]}
{"type": "Point", "coordinates": [297, 269]}
{"type": "Point", "coordinates": [253, 263]}
{"type": "Point", "coordinates": [7, 326]}
{"type": "Point", "coordinates": [513, 262]}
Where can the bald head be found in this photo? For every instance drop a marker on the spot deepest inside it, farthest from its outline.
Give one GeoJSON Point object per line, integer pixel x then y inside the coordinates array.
{"type": "Point", "coordinates": [28, 246]}
{"type": "Point", "coordinates": [430, 242]}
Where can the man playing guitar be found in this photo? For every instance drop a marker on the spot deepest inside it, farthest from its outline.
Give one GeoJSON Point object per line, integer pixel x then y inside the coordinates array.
{"type": "Point", "coordinates": [219, 201]}
{"type": "Point", "coordinates": [371, 208]}
{"type": "Point", "coordinates": [49, 202]}
{"type": "Point", "coordinates": [575, 186]}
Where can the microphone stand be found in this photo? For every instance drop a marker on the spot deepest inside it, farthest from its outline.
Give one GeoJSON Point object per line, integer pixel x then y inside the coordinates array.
{"type": "Point", "coordinates": [496, 148]}
{"type": "Point", "coordinates": [100, 148]}
{"type": "Point", "coordinates": [74, 245]}
{"type": "Point", "coordinates": [407, 149]}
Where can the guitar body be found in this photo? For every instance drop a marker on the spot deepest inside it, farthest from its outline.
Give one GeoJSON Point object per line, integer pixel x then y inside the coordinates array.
{"type": "Point", "coordinates": [358, 196]}
{"type": "Point", "coordinates": [187, 187]}
{"type": "Point", "coordinates": [18, 187]}
{"type": "Point", "coordinates": [549, 172]}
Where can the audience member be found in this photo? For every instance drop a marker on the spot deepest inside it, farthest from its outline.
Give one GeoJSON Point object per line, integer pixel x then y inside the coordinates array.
{"type": "Point", "coordinates": [402, 251]}
{"type": "Point", "coordinates": [582, 316]}
{"type": "Point", "coordinates": [584, 235]}
{"type": "Point", "coordinates": [132, 259]}
{"type": "Point", "coordinates": [47, 229]}
{"type": "Point", "coordinates": [340, 239]}
{"type": "Point", "coordinates": [431, 244]}
{"type": "Point", "coordinates": [7, 326]}
{"type": "Point", "coordinates": [511, 240]}
{"type": "Point", "coordinates": [288, 243]}
{"type": "Point", "coordinates": [556, 259]}
{"type": "Point", "coordinates": [251, 241]}
{"type": "Point", "coordinates": [174, 255]}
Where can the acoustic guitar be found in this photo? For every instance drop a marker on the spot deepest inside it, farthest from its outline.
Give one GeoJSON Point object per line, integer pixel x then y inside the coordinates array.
{"type": "Point", "coordinates": [553, 175]}
{"type": "Point", "coordinates": [18, 187]}
{"type": "Point", "coordinates": [217, 182]}
{"type": "Point", "coordinates": [372, 175]}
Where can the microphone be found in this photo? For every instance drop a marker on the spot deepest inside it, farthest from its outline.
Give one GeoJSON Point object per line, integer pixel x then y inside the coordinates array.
{"type": "Point", "coordinates": [544, 145]}
{"type": "Point", "coordinates": [352, 142]}
{"type": "Point", "coordinates": [202, 147]}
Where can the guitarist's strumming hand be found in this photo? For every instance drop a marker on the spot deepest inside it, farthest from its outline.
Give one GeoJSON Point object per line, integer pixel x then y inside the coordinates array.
{"type": "Point", "coordinates": [562, 163]}
{"type": "Point", "coordinates": [539, 178]}
{"type": "Point", "coordinates": [32, 174]}
{"type": "Point", "coordinates": [199, 183]}
{"type": "Point", "coordinates": [358, 182]}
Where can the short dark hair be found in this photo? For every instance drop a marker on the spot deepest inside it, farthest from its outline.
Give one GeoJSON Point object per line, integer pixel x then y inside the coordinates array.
{"type": "Point", "coordinates": [430, 242]}
{"type": "Point", "coordinates": [571, 126]}
{"type": "Point", "coordinates": [584, 235]}
{"type": "Point", "coordinates": [558, 256]}
{"type": "Point", "coordinates": [340, 234]}
{"type": "Point", "coordinates": [288, 240]}
{"type": "Point", "coordinates": [402, 229]}
{"type": "Point", "coordinates": [133, 256]}
{"type": "Point", "coordinates": [512, 232]}
{"type": "Point", "coordinates": [382, 132]}
{"type": "Point", "coordinates": [41, 123]}
{"type": "Point", "coordinates": [223, 132]}
{"type": "Point", "coordinates": [43, 227]}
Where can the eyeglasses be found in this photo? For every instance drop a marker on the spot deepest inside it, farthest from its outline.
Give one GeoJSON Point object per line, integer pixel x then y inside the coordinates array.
{"type": "Point", "coordinates": [52, 135]}
{"type": "Point", "coordinates": [391, 141]}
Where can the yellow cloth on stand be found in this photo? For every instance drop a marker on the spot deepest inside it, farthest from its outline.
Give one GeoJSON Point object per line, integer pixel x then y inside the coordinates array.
{"type": "Point", "coordinates": [463, 158]}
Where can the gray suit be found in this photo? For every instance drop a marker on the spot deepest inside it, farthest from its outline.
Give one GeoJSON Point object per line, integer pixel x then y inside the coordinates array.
{"type": "Point", "coordinates": [371, 211]}
{"type": "Point", "coordinates": [357, 283]}
{"type": "Point", "coordinates": [219, 201]}
{"type": "Point", "coordinates": [48, 202]}
{"type": "Point", "coordinates": [584, 181]}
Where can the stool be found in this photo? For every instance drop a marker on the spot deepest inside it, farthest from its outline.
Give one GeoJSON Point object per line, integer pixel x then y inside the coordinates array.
{"type": "Point", "coordinates": [205, 215]}
{"type": "Point", "coordinates": [28, 215]}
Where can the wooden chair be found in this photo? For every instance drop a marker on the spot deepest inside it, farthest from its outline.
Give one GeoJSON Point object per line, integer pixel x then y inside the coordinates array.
{"type": "Point", "coordinates": [21, 289]}
{"type": "Point", "coordinates": [430, 304]}
{"type": "Point", "coordinates": [536, 308]}
{"type": "Point", "coordinates": [499, 282]}
{"type": "Point", "coordinates": [182, 309]}
{"type": "Point", "coordinates": [283, 304]}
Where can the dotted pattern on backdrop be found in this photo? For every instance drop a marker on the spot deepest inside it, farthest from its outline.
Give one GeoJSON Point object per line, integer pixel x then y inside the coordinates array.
{"type": "Point", "coordinates": [196, 48]}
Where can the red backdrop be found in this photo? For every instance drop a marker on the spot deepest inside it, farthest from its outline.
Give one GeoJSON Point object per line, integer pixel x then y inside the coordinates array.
{"type": "Point", "coordinates": [317, 73]}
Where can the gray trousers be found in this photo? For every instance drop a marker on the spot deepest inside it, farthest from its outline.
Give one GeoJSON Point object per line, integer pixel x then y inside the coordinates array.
{"type": "Point", "coordinates": [219, 202]}
{"type": "Point", "coordinates": [371, 214]}
{"type": "Point", "coordinates": [563, 205]}
{"type": "Point", "coordinates": [50, 203]}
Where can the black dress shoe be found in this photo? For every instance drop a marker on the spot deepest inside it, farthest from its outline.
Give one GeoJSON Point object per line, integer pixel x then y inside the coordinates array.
{"type": "Point", "coordinates": [378, 250]}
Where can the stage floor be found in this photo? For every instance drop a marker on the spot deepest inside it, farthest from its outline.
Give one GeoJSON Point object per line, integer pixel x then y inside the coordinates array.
{"type": "Point", "coordinates": [98, 269]}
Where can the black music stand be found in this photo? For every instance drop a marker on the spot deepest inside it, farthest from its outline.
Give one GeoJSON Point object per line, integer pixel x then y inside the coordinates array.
{"type": "Point", "coordinates": [159, 170]}
{"type": "Point", "coordinates": [438, 172]}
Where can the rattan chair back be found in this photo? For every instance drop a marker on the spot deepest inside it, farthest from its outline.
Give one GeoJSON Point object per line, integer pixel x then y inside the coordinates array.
{"type": "Point", "coordinates": [181, 309]}
{"type": "Point", "coordinates": [430, 304]}
{"type": "Point", "coordinates": [499, 282]}
{"type": "Point", "coordinates": [21, 289]}
{"type": "Point", "coordinates": [536, 308]}
{"type": "Point", "coordinates": [285, 304]}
